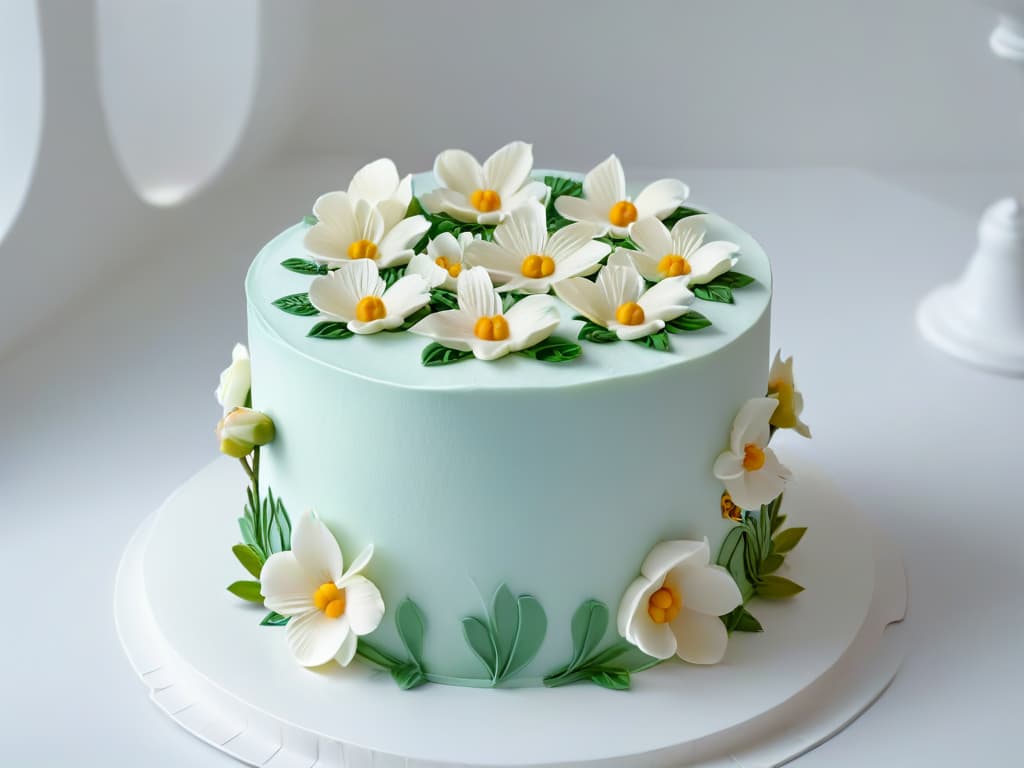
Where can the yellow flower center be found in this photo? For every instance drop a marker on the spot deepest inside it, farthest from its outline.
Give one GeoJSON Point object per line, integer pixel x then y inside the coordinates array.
{"type": "Point", "coordinates": [674, 265]}
{"type": "Point", "coordinates": [452, 268]}
{"type": "Point", "coordinates": [622, 214]}
{"type": "Point", "coordinates": [753, 457]}
{"type": "Point", "coordinates": [362, 249]}
{"type": "Point", "coordinates": [664, 605]}
{"type": "Point", "coordinates": [785, 414]}
{"type": "Point", "coordinates": [329, 599]}
{"type": "Point", "coordinates": [535, 266]}
{"type": "Point", "coordinates": [370, 308]}
{"type": "Point", "coordinates": [491, 328]}
{"type": "Point", "coordinates": [629, 313]}
{"type": "Point", "coordinates": [485, 200]}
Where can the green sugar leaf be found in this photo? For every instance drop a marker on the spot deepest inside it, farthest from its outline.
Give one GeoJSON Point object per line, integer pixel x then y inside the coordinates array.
{"type": "Point", "coordinates": [531, 626]}
{"type": "Point", "coordinates": [553, 349]}
{"type": "Point", "coordinates": [247, 590]}
{"type": "Point", "coordinates": [714, 292]}
{"type": "Point", "coordinates": [504, 625]}
{"type": "Point", "coordinates": [392, 275]}
{"type": "Point", "coordinates": [330, 330]}
{"type": "Point", "coordinates": [249, 558]}
{"type": "Point", "coordinates": [771, 564]}
{"type": "Point", "coordinates": [786, 540]}
{"type": "Point", "coordinates": [777, 587]}
{"type": "Point", "coordinates": [436, 354]}
{"type": "Point", "coordinates": [414, 318]}
{"type": "Point", "coordinates": [296, 304]}
{"type": "Point", "coordinates": [658, 341]}
{"type": "Point", "coordinates": [408, 676]}
{"type": "Point", "coordinates": [777, 521]}
{"type": "Point", "coordinates": [309, 220]}
{"type": "Point", "coordinates": [680, 213]}
{"type": "Point", "coordinates": [733, 280]}
{"type": "Point", "coordinates": [441, 299]}
{"type": "Point", "coordinates": [589, 624]}
{"type": "Point", "coordinates": [376, 656]}
{"type": "Point", "coordinates": [596, 334]}
{"type": "Point", "coordinates": [613, 679]}
{"type": "Point", "coordinates": [245, 525]}
{"type": "Point", "coordinates": [304, 266]}
{"type": "Point", "coordinates": [691, 321]}
{"type": "Point", "coordinates": [741, 620]}
{"type": "Point", "coordinates": [274, 619]}
{"type": "Point", "coordinates": [478, 638]}
{"type": "Point", "coordinates": [410, 623]}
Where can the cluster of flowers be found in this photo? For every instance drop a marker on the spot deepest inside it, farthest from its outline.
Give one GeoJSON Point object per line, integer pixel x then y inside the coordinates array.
{"type": "Point", "coordinates": [365, 229]}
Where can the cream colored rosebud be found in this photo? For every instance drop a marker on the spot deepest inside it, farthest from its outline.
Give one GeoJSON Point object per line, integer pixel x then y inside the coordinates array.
{"type": "Point", "coordinates": [235, 380]}
{"type": "Point", "coordinates": [242, 429]}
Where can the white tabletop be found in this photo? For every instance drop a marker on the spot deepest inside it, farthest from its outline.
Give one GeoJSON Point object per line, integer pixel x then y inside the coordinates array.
{"type": "Point", "coordinates": [110, 407]}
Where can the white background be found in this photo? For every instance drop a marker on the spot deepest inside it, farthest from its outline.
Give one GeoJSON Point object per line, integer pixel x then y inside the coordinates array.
{"type": "Point", "coordinates": [147, 151]}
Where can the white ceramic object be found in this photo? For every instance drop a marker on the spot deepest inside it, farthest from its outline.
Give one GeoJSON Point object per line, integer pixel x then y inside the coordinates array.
{"type": "Point", "coordinates": [824, 658]}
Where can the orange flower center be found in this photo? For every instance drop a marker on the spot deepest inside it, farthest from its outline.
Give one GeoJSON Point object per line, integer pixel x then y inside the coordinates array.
{"type": "Point", "coordinates": [370, 308]}
{"type": "Point", "coordinates": [491, 328]}
{"type": "Point", "coordinates": [535, 266]}
{"type": "Point", "coordinates": [674, 265]}
{"type": "Point", "coordinates": [329, 599]}
{"type": "Point", "coordinates": [362, 249]}
{"type": "Point", "coordinates": [622, 214]}
{"type": "Point", "coordinates": [629, 313]}
{"type": "Point", "coordinates": [452, 268]}
{"type": "Point", "coordinates": [664, 605]}
{"type": "Point", "coordinates": [753, 457]}
{"type": "Point", "coordinates": [485, 200]}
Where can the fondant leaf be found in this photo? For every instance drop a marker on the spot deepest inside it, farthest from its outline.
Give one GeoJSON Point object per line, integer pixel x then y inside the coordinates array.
{"type": "Point", "coordinates": [613, 679]}
{"type": "Point", "coordinates": [596, 333]}
{"type": "Point", "coordinates": [532, 626]}
{"type": "Point", "coordinates": [309, 220]}
{"type": "Point", "coordinates": [771, 564]}
{"type": "Point", "coordinates": [777, 587]}
{"type": "Point", "coordinates": [680, 213]}
{"type": "Point", "coordinates": [274, 619]}
{"type": "Point", "coordinates": [478, 638]}
{"type": "Point", "coordinates": [391, 275]}
{"type": "Point", "coordinates": [296, 304]}
{"type": "Point", "coordinates": [732, 556]}
{"type": "Point", "coordinates": [249, 558]}
{"type": "Point", "coordinates": [304, 266]}
{"type": "Point", "coordinates": [408, 676]}
{"type": "Point", "coordinates": [248, 533]}
{"type": "Point", "coordinates": [247, 590]}
{"type": "Point", "coordinates": [330, 329]}
{"type": "Point", "coordinates": [714, 292]}
{"type": "Point", "coordinates": [777, 521]}
{"type": "Point", "coordinates": [658, 341]}
{"type": "Point", "coordinates": [741, 620]}
{"type": "Point", "coordinates": [786, 540]}
{"type": "Point", "coordinates": [764, 532]}
{"type": "Point", "coordinates": [553, 349]}
{"type": "Point", "coordinates": [504, 625]}
{"type": "Point", "coordinates": [691, 321]}
{"type": "Point", "coordinates": [436, 354]}
{"type": "Point", "coordinates": [589, 624]}
{"type": "Point", "coordinates": [733, 280]}
{"type": "Point", "coordinates": [441, 299]}
{"type": "Point", "coordinates": [409, 620]}
{"type": "Point", "coordinates": [376, 656]}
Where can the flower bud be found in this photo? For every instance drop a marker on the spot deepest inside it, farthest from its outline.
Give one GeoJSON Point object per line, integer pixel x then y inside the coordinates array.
{"type": "Point", "coordinates": [242, 429]}
{"type": "Point", "coordinates": [235, 380]}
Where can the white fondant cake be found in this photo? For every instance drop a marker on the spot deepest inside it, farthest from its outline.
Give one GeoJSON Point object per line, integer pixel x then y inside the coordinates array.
{"type": "Point", "coordinates": [555, 489]}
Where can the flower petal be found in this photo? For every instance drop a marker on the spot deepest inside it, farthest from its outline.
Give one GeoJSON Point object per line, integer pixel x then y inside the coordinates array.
{"type": "Point", "coordinates": [489, 350]}
{"type": "Point", "coordinates": [348, 649]}
{"type": "Point", "coordinates": [286, 586]}
{"type": "Point", "coordinates": [325, 243]}
{"type": "Point", "coordinates": [507, 169]}
{"type": "Point", "coordinates": [375, 181]}
{"type": "Point", "coordinates": [459, 171]}
{"type": "Point", "coordinates": [633, 332]}
{"type": "Point", "coordinates": [400, 240]}
{"type": "Point", "coordinates": [751, 423]}
{"type": "Point", "coordinates": [711, 260]}
{"type": "Point", "coordinates": [605, 185]}
{"type": "Point", "coordinates": [531, 320]}
{"type": "Point", "coordinates": [701, 639]}
{"type": "Point", "coordinates": [455, 204]}
{"type": "Point", "coordinates": [477, 295]}
{"type": "Point", "coordinates": [667, 555]}
{"type": "Point", "coordinates": [333, 295]}
{"type": "Point", "coordinates": [525, 231]}
{"type": "Point", "coordinates": [409, 294]}
{"type": "Point", "coordinates": [532, 190]}
{"type": "Point", "coordinates": [582, 262]}
{"type": "Point", "coordinates": [660, 198]}
{"type": "Point", "coordinates": [315, 639]}
{"type": "Point", "coordinates": [369, 222]}
{"type": "Point", "coordinates": [708, 589]}
{"type": "Point", "coordinates": [392, 212]}
{"type": "Point", "coordinates": [502, 264]}
{"type": "Point", "coordinates": [578, 209]}
{"type": "Point", "coordinates": [653, 237]}
{"type": "Point", "coordinates": [586, 298]}
{"type": "Point", "coordinates": [364, 605]}
{"type": "Point", "coordinates": [316, 549]}
{"type": "Point", "coordinates": [667, 299]}
{"type": "Point", "coordinates": [452, 327]}
{"type": "Point", "coordinates": [424, 265]}
{"type": "Point", "coordinates": [619, 286]}
{"type": "Point", "coordinates": [728, 465]}
{"type": "Point", "coordinates": [336, 210]}
{"type": "Point", "coordinates": [635, 623]}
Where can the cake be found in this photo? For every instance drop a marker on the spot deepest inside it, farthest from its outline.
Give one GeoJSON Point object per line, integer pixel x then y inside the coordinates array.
{"type": "Point", "coordinates": [504, 426]}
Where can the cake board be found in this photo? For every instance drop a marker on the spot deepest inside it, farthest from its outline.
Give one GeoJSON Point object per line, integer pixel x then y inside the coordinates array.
{"type": "Point", "coordinates": [824, 657]}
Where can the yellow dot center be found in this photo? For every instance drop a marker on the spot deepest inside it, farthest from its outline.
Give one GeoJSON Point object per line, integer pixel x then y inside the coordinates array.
{"type": "Point", "coordinates": [674, 265]}
{"type": "Point", "coordinates": [453, 268]}
{"type": "Point", "coordinates": [753, 457]}
{"type": "Point", "coordinates": [329, 599]}
{"type": "Point", "coordinates": [535, 266]}
{"type": "Point", "coordinates": [362, 249]}
{"type": "Point", "coordinates": [629, 313]}
{"type": "Point", "coordinates": [491, 328]}
{"type": "Point", "coordinates": [370, 308]}
{"type": "Point", "coordinates": [622, 214]}
{"type": "Point", "coordinates": [664, 605]}
{"type": "Point", "coordinates": [485, 200]}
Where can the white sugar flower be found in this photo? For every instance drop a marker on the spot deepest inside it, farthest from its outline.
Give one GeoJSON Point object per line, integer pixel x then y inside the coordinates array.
{"type": "Point", "coordinates": [750, 470]}
{"type": "Point", "coordinates": [242, 429]}
{"type": "Point", "coordinates": [356, 294]}
{"type": "Point", "coordinates": [484, 194]}
{"type": "Point", "coordinates": [791, 402]}
{"type": "Point", "coordinates": [442, 264]}
{"type": "Point", "coordinates": [479, 325]}
{"type": "Point", "coordinates": [681, 252]}
{"type": "Point", "coordinates": [619, 302]}
{"type": "Point", "coordinates": [235, 380]}
{"type": "Point", "coordinates": [605, 201]}
{"type": "Point", "coordinates": [674, 606]}
{"type": "Point", "coordinates": [329, 607]}
{"type": "Point", "coordinates": [349, 230]}
{"type": "Point", "coordinates": [378, 184]}
{"type": "Point", "coordinates": [523, 257]}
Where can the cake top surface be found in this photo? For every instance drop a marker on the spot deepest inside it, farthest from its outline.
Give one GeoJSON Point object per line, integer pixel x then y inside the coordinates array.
{"type": "Point", "coordinates": [395, 357]}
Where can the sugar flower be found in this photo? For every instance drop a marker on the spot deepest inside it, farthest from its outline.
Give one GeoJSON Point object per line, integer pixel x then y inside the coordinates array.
{"type": "Point", "coordinates": [378, 184]}
{"type": "Point", "coordinates": [356, 294]}
{"type": "Point", "coordinates": [479, 325]}
{"type": "Point", "coordinates": [350, 229]}
{"type": "Point", "coordinates": [749, 469]}
{"type": "Point", "coordinates": [483, 194]}
{"type": "Point", "coordinates": [242, 429]}
{"type": "Point", "coordinates": [679, 253]}
{"type": "Point", "coordinates": [605, 202]}
{"type": "Point", "coordinates": [619, 302]}
{"type": "Point", "coordinates": [443, 262]}
{"type": "Point", "coordinates": [791, 402]}
{"type": "Point", "coordinates": [329, 607]}
{"type": "Point", "coordinates": [235, 380]}
{"type": "Point", "coordinates": [523, 257]}
{"type": "Point", "coordinates": [673, 608]}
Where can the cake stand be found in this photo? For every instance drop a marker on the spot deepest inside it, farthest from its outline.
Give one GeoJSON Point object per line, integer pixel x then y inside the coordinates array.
{"type": "Point", "coordinates": [824, 657]}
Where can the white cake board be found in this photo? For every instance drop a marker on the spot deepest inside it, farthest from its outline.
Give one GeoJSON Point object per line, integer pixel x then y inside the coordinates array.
{"type": "Point", "coordinates": [824, 657]}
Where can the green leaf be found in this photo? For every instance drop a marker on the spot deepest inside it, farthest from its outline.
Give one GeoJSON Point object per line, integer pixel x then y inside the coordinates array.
{"type": "Point", "coordinates": [741, 620]}
{"type": "Point", "coordinates": [330, 329]}
{"type": "Point", "coordinates": [247, 590]}
{"type": "Point", "coordinates": [553, 349]}
{"type": "Point", "coordinates": [409, 620]}
{"type": "Point", "coordinates": [713, 292]}
{"type": "Point", "coordinates": [589, 624]}
{"type": "Point", "coordinates": [408, 676]}
{"type": "Point", "coordinates": [436, 354]}
{"type": "Point", "coordinates": [504, 625]}
{"type": "Point", "coordinates": [786, 540]}
{"type": "Point", "coordinates": [595, 333]}
{"type": "Point", "coordinates": [658, 341]}
{"type": "Point", "coordinates": [771, 564]}
{"type": "Point", "coordinates": [478, 638]}
{"type": "Point", "coordinates": [376, 656]}
{"type": "Point", "coordinates": [562, 187]}
{"type": "Point", "coordinates": [531, 627]}
{"type": "Point", "coordinates": [764, 531]}
{"type": "Point", "coordinates": [613, 679]}
{"type": "Point", "coordinates": [733, 280]}
{"type": "Point", "coordinates": [309, 220]}
{"type": "Point", "coordinates": [392, 275]}
{"type": "Point", "coordinates": [442, 299]}
{"type": "Point", "coordinates": [274, 619]}
{"type": "Point", "coordinates": [249, 534]}
{"type": "Point", "coordinates": [732, 556]}
{"type": "Point", "coordinates": [249, 558]}
{"type": "Point", "coordinates": [296, 304]}
{"type": "Point", "coordinates": [680, 213]}
{"type": "Point", "coordinates": [777, 521]}
{"type": "Point", "coordinates": [691, 321]}
{"type": "Point", "coordinates": [414, 318]}
{"type": "Point", "coordinates": [777, 587]}
{"type": "Point", "coordinates": [304, 266]}
{"type": "Point", "coordinates": [278, 533]}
